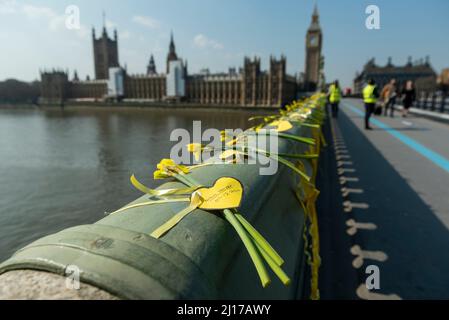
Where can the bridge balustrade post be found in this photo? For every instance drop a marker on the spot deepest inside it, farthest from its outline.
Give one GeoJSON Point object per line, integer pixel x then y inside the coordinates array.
{"type": "Point", "coordinates": [424, 106]}
{"type": "Point", "coordinates": [434, 97]}
{"type": "Point", "coordinates": [443, 101]}
{"type": "Point", "coordinates": [420, 103]}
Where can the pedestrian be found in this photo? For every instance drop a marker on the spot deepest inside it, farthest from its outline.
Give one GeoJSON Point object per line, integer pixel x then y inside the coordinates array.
{"type": "Point", "coordinates": [389, 94]}
{"type": "Point", "coordinates": [408, 97]}
{"type": "Point", "coordinates": [334, 97]}
{"type": "Point", "coordinates": [370, 95]}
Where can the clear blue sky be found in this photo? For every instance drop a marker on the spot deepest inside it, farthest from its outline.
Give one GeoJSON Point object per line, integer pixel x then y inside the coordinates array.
{"type": "Point", "coordinates": [218, 33]}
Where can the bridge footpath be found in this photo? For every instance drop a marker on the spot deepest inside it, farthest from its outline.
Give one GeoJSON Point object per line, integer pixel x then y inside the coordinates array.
{"type": "Point", "coordinates": [392, 188]}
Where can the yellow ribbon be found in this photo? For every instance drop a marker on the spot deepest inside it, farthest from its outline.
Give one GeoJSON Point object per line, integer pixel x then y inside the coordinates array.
{"type": "Point", "coordinates": [307, 195]}
{"type": "Point", "coordinates": [159, 193]}
{"type": "Point", "coordinates": [195, 202]}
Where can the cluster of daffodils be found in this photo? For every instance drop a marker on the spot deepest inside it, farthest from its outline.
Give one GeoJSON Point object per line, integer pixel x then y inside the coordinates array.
{"type": "Point", "coordinates": [226, 194]}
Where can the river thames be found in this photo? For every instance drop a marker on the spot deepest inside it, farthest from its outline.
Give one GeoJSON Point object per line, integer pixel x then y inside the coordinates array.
{"type": "Point", "coordinates": [61, 168]}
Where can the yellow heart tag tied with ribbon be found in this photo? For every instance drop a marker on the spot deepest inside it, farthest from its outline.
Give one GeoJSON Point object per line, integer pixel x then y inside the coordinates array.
{"type": "Point", "coordinates": [282, 125]}
{"type": "Point", "coordinates": [226, 193]}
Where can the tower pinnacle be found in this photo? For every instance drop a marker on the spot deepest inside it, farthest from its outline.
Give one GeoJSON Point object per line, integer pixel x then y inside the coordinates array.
{"type": "Point", "coordinates": [104, 23]}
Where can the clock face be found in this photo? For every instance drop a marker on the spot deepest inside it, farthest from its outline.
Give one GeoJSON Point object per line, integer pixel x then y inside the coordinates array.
{"type": "Point", "coordinates": [313, 40]}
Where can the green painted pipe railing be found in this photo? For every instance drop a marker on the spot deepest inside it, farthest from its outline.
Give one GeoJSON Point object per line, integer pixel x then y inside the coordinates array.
{"type": "Point", "coordinates": [201, 258]}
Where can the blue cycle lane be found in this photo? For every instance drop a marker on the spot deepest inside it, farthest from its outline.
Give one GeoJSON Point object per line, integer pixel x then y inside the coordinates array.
{"type": "Point", "coordinates": [395, 182]}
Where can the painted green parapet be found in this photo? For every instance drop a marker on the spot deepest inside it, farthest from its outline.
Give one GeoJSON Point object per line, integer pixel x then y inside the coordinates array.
{"type": "Point", "coordinates": [201, 258]}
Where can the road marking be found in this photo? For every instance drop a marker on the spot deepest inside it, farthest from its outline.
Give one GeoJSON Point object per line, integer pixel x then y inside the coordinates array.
{"type": "Point", "coordinates": [433, 156]}
{"type": "Point", "coordinates": [361, 255]}
{"type": "Point", "coordinates": [355, 226]}
{"type": "Point", "coordinates": [342, 171]}
{"type": "Point", "coordinates": [344, 179]}
{"type": "Point", "coordinates": [344, 163]}
{"type": "Point", "coordinates": [407, 123]}
{"type": "Point", "coordinates": [342, 157]}
{"type": "Point", "coordinates": [349, 205]}
{"type": "Point", "coordinates": [364, 293]}
{"type": "Point", "coordinates": [346, 191]}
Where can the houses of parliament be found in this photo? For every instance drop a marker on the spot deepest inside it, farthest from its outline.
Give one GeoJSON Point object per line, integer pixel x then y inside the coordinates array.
{"type": "Point", "coordinates": [247, 86]}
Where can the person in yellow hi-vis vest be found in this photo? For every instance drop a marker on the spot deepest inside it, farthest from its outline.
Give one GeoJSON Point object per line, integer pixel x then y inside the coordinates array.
{"type": "Point", "coordinates": [370, 95]}
{"type": "Point", "coordinates": [334, 97]}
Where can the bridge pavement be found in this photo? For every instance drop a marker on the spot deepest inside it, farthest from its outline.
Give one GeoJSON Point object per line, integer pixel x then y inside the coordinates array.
{"type": "Point", "coordinates": [386, 204]}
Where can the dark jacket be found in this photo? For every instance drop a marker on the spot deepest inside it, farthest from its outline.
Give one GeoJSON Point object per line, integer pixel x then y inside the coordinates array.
{"type": "Point", "coordinates": [408, 96]}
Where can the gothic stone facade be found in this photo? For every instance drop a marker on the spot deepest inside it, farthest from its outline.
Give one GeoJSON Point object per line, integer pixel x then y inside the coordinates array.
{"type": "Point", "coordinates": [250, 86]}
{"type": "Point", "coordinates": [105, 54]}
{"type": "Point", "coordinates": [420, 72]}
{"type": "Point", "coordinates": [56, 87]}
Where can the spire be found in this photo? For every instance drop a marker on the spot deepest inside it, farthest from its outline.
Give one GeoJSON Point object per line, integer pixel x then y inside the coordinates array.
{"type": "Point", "coordinates": [104, 23]}
{"type": "Point", "coordinates": [151, 68]}
{"type": "Point", "coordinates": [390, 62]}
{"type": "Point", "coordinates": [315, 10]}
{"type": "Point", "coordinates": [171, 56]}
{"type": "Point", "coordinates": [172, 43]}
{"type": "Point", "coordinates": [315, 25]}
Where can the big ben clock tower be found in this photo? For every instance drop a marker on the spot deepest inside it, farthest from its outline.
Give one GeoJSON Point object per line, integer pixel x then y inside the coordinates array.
{"type": "Point", "coordinates": [314, 41]}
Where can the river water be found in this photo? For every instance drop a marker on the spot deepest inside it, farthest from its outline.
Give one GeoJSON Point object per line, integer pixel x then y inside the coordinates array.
{"type": "Point", "coordinates": [61, 168]}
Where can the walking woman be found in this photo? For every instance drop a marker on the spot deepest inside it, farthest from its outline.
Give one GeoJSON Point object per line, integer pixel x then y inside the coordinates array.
{"type": "Point", "coordinates": [408, 97]}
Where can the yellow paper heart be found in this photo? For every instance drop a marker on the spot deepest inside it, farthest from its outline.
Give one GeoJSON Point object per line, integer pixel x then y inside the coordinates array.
{"type": "Point", "coordinates": [282, 125]}
{"type": "Point", "coordinates": [226, 193]}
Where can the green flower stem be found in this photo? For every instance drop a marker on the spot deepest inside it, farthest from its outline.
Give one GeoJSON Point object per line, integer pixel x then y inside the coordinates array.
{"type": "Point", "coordinates": [249, 244]}
{"type": "Point", "coordinates": [184, 179]}
{"type": "Point", "coordinates": [259, 239]}
{"type": "Point", "coordinates": [310, 141]}
{"type": "Point", "coordinates": [284, 162]}
{"type": "Point", "coordinates": [291, 166]}
{"type": "Point", "coordinates": [273, 265]}
{"type": "Point", "coordinates": [305, 124]}
{"type": "Point", "coordinates": [229, 216]}
{"type": "Point", "coordinates": [297, 156]}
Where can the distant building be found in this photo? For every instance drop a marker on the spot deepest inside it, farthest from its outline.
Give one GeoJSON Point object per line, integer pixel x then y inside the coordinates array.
{"type": "Point", "coordinates": [421, 72]}
{"type": "Point", "coordinates": [443, 80]}
{"type": "Point", "coordinates": [249, 86]}
{"type": "Point", "coordinates": [105, 53]}
{"type": "Point", "coordinates": [15, 91]}
{"type": "Point", "coordinates": [176, 80]}
{"type": "Point", "coordinates": [56, 87]}
{"type": "Point", "coordinates": [116, 88]}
